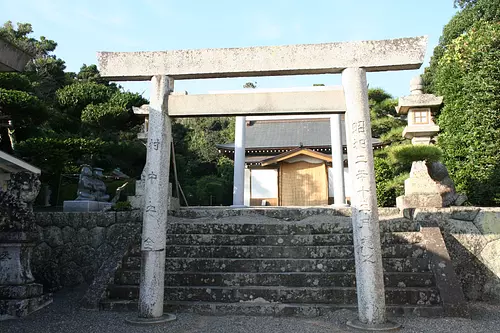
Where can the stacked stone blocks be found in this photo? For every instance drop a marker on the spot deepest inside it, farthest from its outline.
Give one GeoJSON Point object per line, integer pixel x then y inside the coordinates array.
{"type": "Point", "coordinates": [72, 246]}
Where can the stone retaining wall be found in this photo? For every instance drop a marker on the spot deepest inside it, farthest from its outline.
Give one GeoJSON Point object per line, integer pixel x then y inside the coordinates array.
{"type": "Point", "coordinates": [472, 236]}
{"type": "Point", "coordinates": [73, 246]}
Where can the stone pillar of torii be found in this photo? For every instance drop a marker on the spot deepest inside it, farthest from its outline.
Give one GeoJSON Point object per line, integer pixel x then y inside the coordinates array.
{"type": "Point", "coordinates": [352, 59]}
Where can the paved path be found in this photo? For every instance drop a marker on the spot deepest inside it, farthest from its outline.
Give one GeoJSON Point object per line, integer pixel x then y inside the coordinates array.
{"type": "Point", "coordinates": [64, 316]}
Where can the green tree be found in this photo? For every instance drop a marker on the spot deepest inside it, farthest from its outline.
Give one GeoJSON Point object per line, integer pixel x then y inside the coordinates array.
{"type": "Point", "coordinates": [471, 12]}
{"type": "Point", "coordinates": [468, 76]}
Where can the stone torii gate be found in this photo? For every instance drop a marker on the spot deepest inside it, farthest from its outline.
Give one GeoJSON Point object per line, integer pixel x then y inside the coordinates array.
{"type": "Point", "coordinates": [352, 59]}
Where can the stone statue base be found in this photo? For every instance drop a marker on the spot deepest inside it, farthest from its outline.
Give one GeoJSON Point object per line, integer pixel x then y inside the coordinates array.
{"type": "Point", "coordinates": [85, 206]}
{"type": "Point", "coordinates": [429, 185]}
{"type": "Point", "coordinates": [420, 200]}
{"type": "Point", "coordinates": [18, 301]}
{"type": "Point", "coordinates": [19, 296]}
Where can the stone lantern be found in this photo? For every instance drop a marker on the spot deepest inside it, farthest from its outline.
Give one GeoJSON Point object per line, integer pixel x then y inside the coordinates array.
{"type": "Point", "coordinates": [420, 109]}
{"type": "Point", "coordinates": [429, 184]}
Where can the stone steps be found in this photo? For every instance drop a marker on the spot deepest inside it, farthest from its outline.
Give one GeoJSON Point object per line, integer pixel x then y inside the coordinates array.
{"type": "Point", "coordinates": [256, 308]}
{"type": "Point", "coordinates": [308, 279]}
{"type": "Point", "coordinates": [322, 295]}
{"type": "Point", "coordinates": [275, 251]}
{"type": "Point", "coordinates": [283, 240]}
{"type": "Point", "coordinates": [277, 262]}
{"type": "Point", "coordinates": [278, 265]}
{"type": "Point", "coordinates": [308, 226]}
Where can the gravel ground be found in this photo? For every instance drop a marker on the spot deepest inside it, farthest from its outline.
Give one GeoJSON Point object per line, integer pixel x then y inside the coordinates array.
{"type": "Point", "coordinates": [64, 316]}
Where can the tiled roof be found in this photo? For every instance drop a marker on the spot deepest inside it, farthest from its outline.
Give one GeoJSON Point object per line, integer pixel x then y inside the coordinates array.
{"type": "Point", "coordinates": [289, 133]}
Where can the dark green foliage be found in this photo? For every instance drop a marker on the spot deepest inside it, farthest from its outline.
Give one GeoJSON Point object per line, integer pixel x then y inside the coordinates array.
{"type": "Point", "coordinates": [64, 156]}
{"type": "Point", "coordinates": [90, 74]}
{"type": "Point", "coordinates": [127, 99]}
{"type": "Point", "coordinates": [381, 103]}
{"type": "Point", "coordinates": [19, 36]}
{"type": "Point", "coordinates": [105, 116]}
{"type": "Point", "coordinates": [384, 173]}
{"type": "Point", "coordinates": [389, 128]}
{"type": "Point", "coordinates": [121, 206]}
{"type": "Point", "coordinates": [15, 81]}
{"type": "Point", "coordinates": [472, 12]}
{"type": "Point", "coordinates": [384, 125]}
{"type": "Point", "coordinates": [407, 154]}
{"type": "Point", "coordinates": [468, 76]}
{"type": "Point", "coordinates": [206, 176]}
{"type": "Point", "coordinates": [24, 110]}
{"type": "Point", "coordinates": [204, 133]}
{"type": "Point", "coordinates": [382, 112]}
{"type": "Point", "coordinates": [75, 97]}
{"type": "Point", "coordinates": [395, 135]}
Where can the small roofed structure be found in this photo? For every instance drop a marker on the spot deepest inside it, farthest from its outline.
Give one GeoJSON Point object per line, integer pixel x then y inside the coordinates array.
{"type": "Point", "coordinates": [420, 109]}
{"type": "Point", "coordinates": [10, 164]}
{"type": "Point", "coordinates": [289, 161]}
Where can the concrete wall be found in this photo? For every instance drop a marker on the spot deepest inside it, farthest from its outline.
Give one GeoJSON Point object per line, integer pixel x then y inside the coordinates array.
{"type": "Point", "coordinates": [72, 246]}
{"type": "Point", "coordinates": [264, 183]}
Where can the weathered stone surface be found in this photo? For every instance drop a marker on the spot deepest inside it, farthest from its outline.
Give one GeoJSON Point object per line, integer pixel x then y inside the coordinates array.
{"type": "Point", "coordinates": [491, 256]}
{"type": "Point", "coordinates": [73, 220]}
{"type": "Point", "coordinates": [70, 274]}
{"type": "Point", "coordinates": [97, 236]}
{"type": "Point", "coordinates": [15, 263]}
{"type": "Point", "coordinates": [12, 309]}
{"type": "Point", "coordinates": [84, 255]}
{"type": "Point", "coordinates": [467, 234]}
{"type": "Point", "coordinates": [287, 214]}
{"type": "Point", "coordinates": [464, 213]}
{"type": "Point", "coordinates": [83, 236]}
{"type": "Point", "coordinates": [39, 233]}
{"type": "Point", "coordinates": [104, 219]}
{"type": "Point", "coordinates": [105, 274]}
{"type": "Point", "coordinates": [281, 265]}
{"type": "Point", "coordinates": [488, 223]}
{"type": "Point", "coordinates": [12, 58]}
{"type": "Point", "coordinates": [59, 219]}
{"type": "Point", "coordinates": [65, 253]}
{"type": "Point", "coordinates": [423, 215]}
{"type": "Point", "coordinates": [338, 295]}
{"type": "Point", "coordinates": [68, 234]}
{"type": "Point", "coordinates": [124, 217]}
{"type": "Point", "coordinates": [298, 102]}
{"type": "Point", "coordinates": [419, 200]}
{"type": "Point", "coordinates": [444, 185]}
{"type": "Point", "coordinates": [429, 185]}
{"type": "Point", "coordinates": [136, 216]}
{"type": "Point", "coordinates": [53, 236]}
{"type": "Point", "coordinates": [451, 293]}
{"type": "Point", "coordinates": [420, 181]}
{"type": "Point", "coordinates": [41, 252]}
{"type": "Point", "coordinates": [92, 219]}
{"type": "Point", "coordinates": [404, 53]}
{"type": "Point", "coordinates": [43, 219]}
{"type": "Point", "coordinates": [21, 291]}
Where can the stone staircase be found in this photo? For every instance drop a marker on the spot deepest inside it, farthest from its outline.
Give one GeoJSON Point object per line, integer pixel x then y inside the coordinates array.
{"type": "Point", "coordinates": [256, 262]}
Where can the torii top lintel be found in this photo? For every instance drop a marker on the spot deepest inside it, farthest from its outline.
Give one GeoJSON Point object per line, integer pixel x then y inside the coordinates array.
{"type": "Point", "coordinates": [373, 56]}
